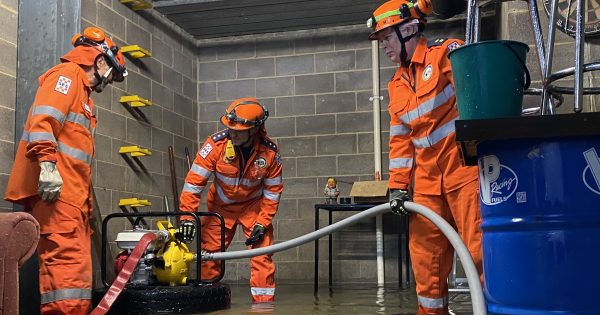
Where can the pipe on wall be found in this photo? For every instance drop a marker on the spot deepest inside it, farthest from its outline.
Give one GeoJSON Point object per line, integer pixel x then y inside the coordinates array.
{"type": "Point", "coordinates": [375, 98]}
{"type": "Point", "coordinates": [445, 9]}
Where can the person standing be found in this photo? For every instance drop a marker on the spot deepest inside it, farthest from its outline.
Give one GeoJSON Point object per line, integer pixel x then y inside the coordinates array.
{"type": "Point", "coordinates": [52, 171]}
{"type": "Point", "coordinates": [246, 190]}
{"type": "Point", "coordinates": [423, 148]}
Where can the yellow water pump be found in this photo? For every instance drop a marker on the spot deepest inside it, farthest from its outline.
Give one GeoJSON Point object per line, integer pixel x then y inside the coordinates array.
{"type": "Point", "coordinates": [173, 258]}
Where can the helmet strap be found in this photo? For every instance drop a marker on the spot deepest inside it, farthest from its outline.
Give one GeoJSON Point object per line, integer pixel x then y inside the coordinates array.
{"type": "Point", "coordinates": [101, 81]}
{"type": "Point", "coordinates": [403, 41]}
{"type": "Point", "coordinates": [250, 139]}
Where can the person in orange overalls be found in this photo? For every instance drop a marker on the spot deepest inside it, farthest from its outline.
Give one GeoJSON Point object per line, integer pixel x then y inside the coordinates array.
{"type": "Point", "coordinates": [423, 148]}
{"type": "Point", "coordinates": [246, 189]}
{"type": "Point", "coordinates": [51, 175]}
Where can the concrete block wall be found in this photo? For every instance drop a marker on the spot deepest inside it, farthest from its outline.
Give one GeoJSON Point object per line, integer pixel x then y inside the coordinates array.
{"type": "Point", "coordinates": [8, 91]}
{"type": "Point", "coordinates": [516, 25]}
{"type": "Point", "coordinates": [168, 79]}
{"type": "Point", "coordinates": [316, 85]}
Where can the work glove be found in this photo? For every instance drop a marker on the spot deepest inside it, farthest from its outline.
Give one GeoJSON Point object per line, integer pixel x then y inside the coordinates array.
{"type": "Point", "coordinates": [187, 230]}
{"type": "Point", "coordinates": [397, 199]}
{"type": "Point", "coordinates": [50, 182]}
{"type": "Point", "coordinates": [258, 232]}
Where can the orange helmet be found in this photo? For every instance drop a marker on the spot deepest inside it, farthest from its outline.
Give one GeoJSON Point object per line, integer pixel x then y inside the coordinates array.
{"type": "Point", "coordinates": [395, 12]}
{"type": "Point", "coordinates": [93, 43]}
{"type": "Point", "coordinates": [245, 113]}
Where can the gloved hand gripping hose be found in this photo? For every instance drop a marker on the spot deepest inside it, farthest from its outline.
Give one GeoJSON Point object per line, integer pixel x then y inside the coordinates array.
{"type": "Point", "coordinates": [397, 199]}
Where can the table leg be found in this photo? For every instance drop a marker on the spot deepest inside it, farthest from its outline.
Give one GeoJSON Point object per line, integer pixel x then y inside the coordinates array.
{"type": "Point", "coordinates": [400, 254]}
{"type": "Point", "coordinates": [405, 252]}
{"type": "Point", "coordinates": [316, 277]}
{"type": "Point", "coordinates": [330, 251]}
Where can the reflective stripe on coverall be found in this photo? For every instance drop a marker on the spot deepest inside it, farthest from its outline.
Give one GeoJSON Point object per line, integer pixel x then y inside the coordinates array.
{"type": "Point", "coordinates": [245, 197]}
{"type": "Point", "coordinates": [422, 144]}
{"type": "Point", "coordinates": [60, 128]}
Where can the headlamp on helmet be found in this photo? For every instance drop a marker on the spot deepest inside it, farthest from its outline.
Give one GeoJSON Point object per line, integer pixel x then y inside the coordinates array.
{"type": "Point", "coordinates": [95, 38]}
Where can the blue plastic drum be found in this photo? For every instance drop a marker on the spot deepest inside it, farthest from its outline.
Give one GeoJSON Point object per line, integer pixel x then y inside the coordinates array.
{"type": "Point", "coordinates": [540, 203]}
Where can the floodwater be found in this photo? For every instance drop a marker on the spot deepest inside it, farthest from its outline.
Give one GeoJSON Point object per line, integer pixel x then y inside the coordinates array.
{"type": "Point", "coordinates": [344, 300]}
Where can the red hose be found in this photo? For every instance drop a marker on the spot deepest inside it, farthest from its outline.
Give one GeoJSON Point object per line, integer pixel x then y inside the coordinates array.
{"type": "Point", "coordinates": [117, 286]}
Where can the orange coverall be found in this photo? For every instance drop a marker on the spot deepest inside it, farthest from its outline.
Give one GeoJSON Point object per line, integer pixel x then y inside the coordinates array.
{"type": "Point", "coordinates": [422, 144]}
{"type": "Point", "coordinates": [60, 127]}
{"type": "Point", "coordinates": [243, 192]}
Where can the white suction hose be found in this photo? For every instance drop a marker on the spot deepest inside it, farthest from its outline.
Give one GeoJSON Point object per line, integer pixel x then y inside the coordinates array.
{"type": "Point", "coordinates": [475, 289]}
{"type": "Point", "coordinates": [477, 298]}
{"type": "Point", "coordinates": [380, 209]}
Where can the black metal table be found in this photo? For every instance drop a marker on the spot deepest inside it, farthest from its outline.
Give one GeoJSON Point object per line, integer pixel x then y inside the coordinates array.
{"type": "Point", "coordinates": [403, 254]}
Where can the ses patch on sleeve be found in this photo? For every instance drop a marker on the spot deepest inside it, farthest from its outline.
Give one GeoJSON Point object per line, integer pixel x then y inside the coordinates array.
{"type": "Point", "coordinates": [63, 85]}
{"type": "Point", "coordinates": [205, 150]}
{"type": "Point", "coordinates": [453, 46]}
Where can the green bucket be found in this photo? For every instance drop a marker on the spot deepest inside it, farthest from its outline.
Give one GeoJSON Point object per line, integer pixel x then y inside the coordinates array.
{"type": "Point", "coordinates": [489, 78]}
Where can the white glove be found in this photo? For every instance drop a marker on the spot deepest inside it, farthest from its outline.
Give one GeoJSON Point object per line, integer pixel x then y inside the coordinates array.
{"type": "Point", "coordinates": [50, 181]}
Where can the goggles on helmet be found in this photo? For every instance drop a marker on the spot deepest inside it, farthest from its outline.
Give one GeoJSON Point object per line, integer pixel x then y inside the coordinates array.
{"type": "Point", "coordinates": [232, 117]}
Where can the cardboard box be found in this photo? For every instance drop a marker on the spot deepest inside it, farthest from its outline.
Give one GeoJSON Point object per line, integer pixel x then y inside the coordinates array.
{"type": "Point", "coordinates": [375, 192]}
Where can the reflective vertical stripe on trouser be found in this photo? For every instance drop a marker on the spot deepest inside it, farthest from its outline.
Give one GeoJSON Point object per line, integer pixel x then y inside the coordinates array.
{"type": "Point", "coordinates": [431, 254]}
{"type": "Point", "coordinates": [65, 259]}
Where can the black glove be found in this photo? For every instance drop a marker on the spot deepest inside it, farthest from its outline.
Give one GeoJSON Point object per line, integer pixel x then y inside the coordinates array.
{"type": "Point", "coordinates": [397, 199]}
{"type": "Point", "coordinates": [187, 230]}
{"type": "Point", "coordinates": [257, 234]}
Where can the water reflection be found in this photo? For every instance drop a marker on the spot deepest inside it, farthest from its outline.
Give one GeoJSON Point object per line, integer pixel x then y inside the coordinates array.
{"type": "Point", "coordinates": [348, 299]}
{"type": "Point", "coordinates": [262, 308]}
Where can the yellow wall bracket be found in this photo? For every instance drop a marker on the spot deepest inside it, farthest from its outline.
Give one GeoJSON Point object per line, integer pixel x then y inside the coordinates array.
{"type": "Point", "coordinates": [138, 4]}
{"type": "Point", "coordinates": [134, 150]}
{"type": "Point", "coordinates": [135, 51]}
{"type": "Point", "coordinates": [134, 202]}
{"type": "Point", "coordinates": [135, 101]}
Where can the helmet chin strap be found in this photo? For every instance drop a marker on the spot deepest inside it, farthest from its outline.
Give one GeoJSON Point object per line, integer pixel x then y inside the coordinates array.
{"type": "Point", "coordinates": [101, 81]}
{"type": "Point", "coordinates": [403, 41]}
{"type": "Point", "coordinates": [250, 138]}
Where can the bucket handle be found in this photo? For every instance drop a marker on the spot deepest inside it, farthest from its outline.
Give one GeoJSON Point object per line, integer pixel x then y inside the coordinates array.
{"type": "Point", "coordinates": [527, 75]}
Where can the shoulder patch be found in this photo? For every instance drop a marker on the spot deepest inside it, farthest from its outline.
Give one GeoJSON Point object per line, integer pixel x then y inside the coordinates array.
{"type": "Point", "coordinates": [269, 144]}
{"type": "Point", "coordinates": [452, 46]}
{"type": "Point", "coordinates": [436, 42]}
{"type": "Point", "coordinates": [205, 150]}
{"type": "Point", "coordinates": [223, 134]}
{"type": "Point", "coordinates": [63, 84]}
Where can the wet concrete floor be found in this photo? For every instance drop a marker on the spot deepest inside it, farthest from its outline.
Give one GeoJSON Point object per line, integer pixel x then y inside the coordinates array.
{"type": "Point", "coordinates": [344, 300]}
